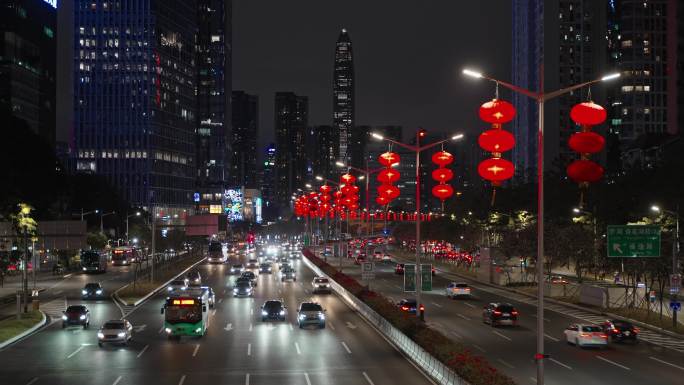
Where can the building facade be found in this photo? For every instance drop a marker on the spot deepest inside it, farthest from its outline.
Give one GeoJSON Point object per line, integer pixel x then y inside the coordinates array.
{"type": "Point", "coordinates": [213, 90]}
{"type": "Point", "coordinates": [322, 152]}
{"type": "Point", "coordinates": [343, 92]}
{"type": "Point", "coordinates": [269, 179]}
{"type": "Point", "coordinates": [134, 98]}
{"type": "Point", "coordinates": [291, 122]}
{"type": "Point", "coordinates": [28, 45]}
{"type": "Point", "coordinates": [245, 130]}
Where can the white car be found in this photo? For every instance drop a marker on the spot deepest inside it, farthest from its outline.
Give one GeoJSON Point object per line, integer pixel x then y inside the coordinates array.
{"type": "Point", "coordinates": [585, 335]}
{"type": "Point", "coordinates": [386, 258]}
{"type": "Point", "coordinates": [320, 285]}
{"type": "Point", "coordinates": [178, 284]}
{"type": "Point", "coordinates": [455, 289]}
{"type": "Point", "coordinates": [115, 331]}
{"type": "Point", "coordinates": [377, 255]}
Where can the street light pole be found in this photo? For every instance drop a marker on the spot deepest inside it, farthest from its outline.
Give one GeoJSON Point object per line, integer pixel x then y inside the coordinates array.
{"type": "Point", "coordinates": [540, 97]}
{"type": "Point", "coordinates": [417, 149]}
{"type": "Point", "coordinates": [675, 254]}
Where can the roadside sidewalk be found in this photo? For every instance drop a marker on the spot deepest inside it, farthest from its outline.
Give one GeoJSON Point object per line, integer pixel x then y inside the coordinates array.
{"type": "Point", "coordinates": [44, 280]}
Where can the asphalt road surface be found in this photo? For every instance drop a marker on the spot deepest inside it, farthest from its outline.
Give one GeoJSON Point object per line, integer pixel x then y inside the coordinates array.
{"type": "Point", "coordinates": [511, 349]}
{"type": "Point", "coordinates": [238, 348]}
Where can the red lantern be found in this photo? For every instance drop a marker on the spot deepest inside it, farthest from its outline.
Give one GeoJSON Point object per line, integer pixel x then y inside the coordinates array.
{"type": "Point", "coordinates": [497, 111]}
{"type": "Point", "coordinates": [586, 142]}
{"type": "Point", "coordinates": [325, 189]}
{"type": "Point", "coordinates": [442, 175]}
{"type": "Point", "coordinates": [353, 189]}
{"type": "Point", "coordinates": [387, 159]}
{"type": "Point", "coordinates": [588, 114]}
{"type": "Point", "coordinates": [442, 158]}
{"type": "Point", "coordinates": [348, 178]}
{"type": "Point", "coordinates": [496, 170]}
{"type": "Point", "coordinates": [325, 198]}
{"type": "Point", "coordinates": [585, 171]}
{"type": "Point", "coordinates": [353, 197]}
{"type": "Point", "coordinates": [353, 206]}
{"type": "Point", "coordinates": [381, 200]}
{"type": "Point", "coordinates": [388, 191]}
{"type": "Point", "coordinates": [442, 191]}
{"type": "Point", "coordinates": [347, 190]}
{"type": "Point", "coordinates": [337, 194]}
{"type": "Point", "coordinates": [388, 176]}
{"type": "Point", "coordinates": [496, 140]}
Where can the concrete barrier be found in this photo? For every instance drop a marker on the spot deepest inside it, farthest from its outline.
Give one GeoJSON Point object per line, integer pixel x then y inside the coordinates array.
{"type": "Point", "coordinates": [439, 372]}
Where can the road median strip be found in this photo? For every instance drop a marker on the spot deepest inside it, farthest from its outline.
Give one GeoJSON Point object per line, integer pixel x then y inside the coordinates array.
{"type": "Point", "coordinates": [13, 330]}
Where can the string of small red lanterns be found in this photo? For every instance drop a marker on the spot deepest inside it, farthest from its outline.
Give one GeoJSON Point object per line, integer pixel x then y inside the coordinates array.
{"type": "Point", "coordinates": [442, 175]}
{"type": "Point", "coordinates": [586, 143]}
{"type": "Point", "coordinates": [496, 141]}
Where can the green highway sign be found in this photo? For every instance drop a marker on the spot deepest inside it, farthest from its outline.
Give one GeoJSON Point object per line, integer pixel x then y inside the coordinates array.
{"type": "Point", "coordinates": [633, 241]}
{"type": "Point", "coordinates": [426, 277]}
{"type": "Point", "coordinates": [409, 277]}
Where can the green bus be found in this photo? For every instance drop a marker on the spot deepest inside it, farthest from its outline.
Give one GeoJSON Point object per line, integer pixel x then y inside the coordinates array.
{"type": "Point", "coordinates": [186, 313]}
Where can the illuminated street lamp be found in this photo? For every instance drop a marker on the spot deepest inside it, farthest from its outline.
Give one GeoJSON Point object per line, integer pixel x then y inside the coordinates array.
{"type": "Point", "coordinates": [417, 149]}
{"type": "Point", "coordinates": [137, 214]}
{"type": "Point", "coordinates": [540, 97]}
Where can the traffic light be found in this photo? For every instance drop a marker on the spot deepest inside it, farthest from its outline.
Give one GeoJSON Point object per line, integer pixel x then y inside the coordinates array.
{"type": "Point", "coordinates": [421, 133]}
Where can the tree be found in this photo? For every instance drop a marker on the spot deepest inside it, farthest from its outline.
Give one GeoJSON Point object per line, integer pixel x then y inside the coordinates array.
{"type": "Point", "coordinates": [96, 241]}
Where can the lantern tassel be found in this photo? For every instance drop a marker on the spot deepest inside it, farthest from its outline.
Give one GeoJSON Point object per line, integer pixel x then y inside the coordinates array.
{"type": "Point", "coordinates": [493, 196]}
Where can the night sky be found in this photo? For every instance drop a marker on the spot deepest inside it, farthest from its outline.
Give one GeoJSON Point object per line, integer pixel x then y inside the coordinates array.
{"type": "Point", "coordinates": [407, 57]}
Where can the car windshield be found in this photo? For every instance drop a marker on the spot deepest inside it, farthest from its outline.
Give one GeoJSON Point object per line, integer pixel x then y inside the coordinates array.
{"type": "Point", "coordinates": [273, 305]}
{"type": "Point", "coordinates": [242, 284]}
{"type": "Point", "coordinates": [215, 246]}
{"type": "Point", "coordinates": [92, 286]}
{"type": "Point", "coordinates": [113, 325]}
{"type": "Point", "coordinates": [252, 261]}
{"type": "Point", "coordinates": [409, 302]}
{"type": "Point", "coordinates": [321, 280]}
{"type": "Point", "coordinates": [248, 274]}
{"type": "Point", "coordinates": [178, 283]}
{"type": "Point", "coordinates": [462, 285]}
{"type": "Point", "coordinates": [505, 308]}
{"type": "Point", "coordinates": [622, 325]}
{"type": "Point", "coordinates": [310, 307]}
{"type": "Point", "coordinates": [76, 309]}
{"type": "Point", "coordinates": [178, 314]}
{"type": "Point", "coordinates": [591, 329]}
{"type": "Point", "coordinates": [237, 266]}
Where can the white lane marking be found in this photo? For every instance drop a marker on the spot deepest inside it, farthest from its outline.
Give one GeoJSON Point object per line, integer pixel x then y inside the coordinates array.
{"type": "Point", "coordinates": [479, 348]}
{"type": "Point", "coordinates": [251, 327]}
{"type": "Point", "coordinates": [666, 363]}
{"type": "Point", "coordinates": [142, 351]}
{"type": "Point", "coordinates": [194, 353]}
{"type": "Point", "coordinates": [182, 380]}
{"type": "Point", "coordinates": [330, 325]}
{"type": "Point", "coordinates": [76, 352]}
{"type": "Point", "coordinates": [213, 312]}
{"type": "Point", "coordinates": [436, 304]}
{"type": "Point", "coordinates": [351, 325]}
{"type": "Point", "coordinates": [251, 311]}
{"type": "Point", "coordinates": [533, 379]}
{"type": "Point", "coordinates": [504, 363]}
{"type": "Point", "coordinates": [370, 382]}
{"type": "Point", "coordinates": [297, 347]}
{"type": "Point", "coordinates": [220, 300]}
{"type": "Point", "coordinates": [32, 381]}
{"type": "Point", "coordinates": [551, 338]}
{"type": "Point", "coordinates": [306, 376]}
{"type": "Point", "coordinates": [462, 316]}
{"type": "Point", "coordinates": [456, 334]}
{"type": "Point", "coordinates": [291, 328]}
{"type": "Point", "coordinates": [560, 363]}
{"type": "Point", "coordinates": [249, 349]}
{"type": "Point", "coordinates": [469, 304]}
{"type": "Point", "coordinates": [398, 287]}
{"type": "Point", "coordinates": [228, 327]}
{"type": "Point", "coordinates": [115, 381]}
{"type": "Point", "coordinates": [613, 362]}
{"type": "Point", "coordinates": [501, 335]}
{"type": "Point", "coordinates": [58, 292]}
{"type": "Point", "coordinates": [346, 347]}
{"type": "Point", "coordinates": [247, 379]}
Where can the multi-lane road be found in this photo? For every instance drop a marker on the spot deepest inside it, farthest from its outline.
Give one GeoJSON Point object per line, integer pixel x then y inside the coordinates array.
{"type": "Point", "coordinates": [238, 348]}
{"type": "Point", "coordinates": [512, 349]}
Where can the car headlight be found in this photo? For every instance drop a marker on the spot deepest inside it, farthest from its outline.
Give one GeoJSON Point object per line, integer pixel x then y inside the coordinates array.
{"type": "Point", "coordinates": [235, 290]}
{"type": "Point", "coordinates": [302, 316]}
{"type": "Point", "coordinates": [84, 269]}
{"type": "Point", "coordinates": [169, 288]}
{"type": "Point", "coordinates": [321, 316]}
{"type": "Point", "coordinates": [167, 330]}
{"type": "Point", "coordinates": [98, 292]}
{"type": "Point", "coordinates": [84, 292]}
{"type": "Point", "coordinates": [64, 317]}
{"type": "Point", "coordinates": [282, 312]}
{"type": "Point", "coordinates": [82, 317]}
{"type": "Point", "coordinates": [198, 330]}
{"type": "Point", "coordinates": [121, 334]}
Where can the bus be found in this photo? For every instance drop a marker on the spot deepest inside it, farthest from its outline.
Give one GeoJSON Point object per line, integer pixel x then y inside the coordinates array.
{"type": "Point", "coordinates": [215, 253]}
{"type": "Point", "coordinates": [124, 255]}
{"type": "Point", "coordinates": [93, 262]}
{"type": "Point", "coordinates": [186, 313]}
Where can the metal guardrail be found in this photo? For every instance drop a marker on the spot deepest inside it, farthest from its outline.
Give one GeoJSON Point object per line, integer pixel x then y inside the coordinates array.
{"type": "Point", "coordinates": [439, 372]}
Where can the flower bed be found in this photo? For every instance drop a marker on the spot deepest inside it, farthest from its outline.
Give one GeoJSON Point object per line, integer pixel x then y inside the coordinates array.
{"type": "Point", "coordinates": [473, 369]}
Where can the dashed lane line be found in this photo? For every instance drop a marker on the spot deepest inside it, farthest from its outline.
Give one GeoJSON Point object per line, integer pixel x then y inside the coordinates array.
{"type": "Point", "coordinates": [560, 363]}
{"type": "Point", "coordinates": [249, 349]}
{"type": "Point", "coordinates": [370, 382]}
{"type": "Point", "coordinates": [462, 316]}
{"type": "Point", "coordinates": [551, 338]}
{"type": "Point", "coordinates": [118, 379]}
{"type": "Point", "coordinates": [194, 353]}
{"type": "Point", "coordinates": [182, 380]}
{"type": "Point", "coordinates": [306, 376]}
{"type": "Point", "coordinates": [502, 335]}
{"type": "Point", "coordinates": [142, 351]}
{"type": "Point", "coordinates": [666, 363]}
{"type": "Point", "coordinates": [346, 347]}
{"type": "Point", "coordinates": [506, 364]}
{"type": "Point", "coordinates": [613, 362]}
{"type": "Point", "coordinates": [32, 381]}
{"type": "Point", "coordinates": [76, 351]}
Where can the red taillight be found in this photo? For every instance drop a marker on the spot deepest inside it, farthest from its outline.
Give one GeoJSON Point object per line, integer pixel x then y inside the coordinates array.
{"type": "Point", "coordinates": [585, 335]}
{"type": "Point", "coordinates": [496, 312]}
{"type": "Point", "coordinates": [636, 330]}
{"type": "Point", "coordinates": [615, 331]}
{"type": "Point", "coordinates": [603, 335]}
{"type": "Point", "coordinates": [514, 312]}
{"type": "Point", "coordinates": [422, 308]}
{"type": "Point", "coordinates": [404, 308]}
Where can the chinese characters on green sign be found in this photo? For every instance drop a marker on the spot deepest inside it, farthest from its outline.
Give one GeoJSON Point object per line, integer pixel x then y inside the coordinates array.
{"type": "Point", "coordinates": [632, 241]}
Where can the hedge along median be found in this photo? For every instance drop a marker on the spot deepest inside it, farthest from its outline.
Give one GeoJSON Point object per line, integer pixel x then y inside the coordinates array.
{"type": "Point", "coordinates": [133, 294]}
{"type": "Point", "coordinates": [12, 329]}
{"type": "Point", "coordinates": [472, 369]}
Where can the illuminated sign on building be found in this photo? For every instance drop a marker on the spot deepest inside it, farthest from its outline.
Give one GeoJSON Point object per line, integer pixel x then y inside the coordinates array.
{"type": "Point", "coordinates": [214, 209]}
{"type": "Point", "coordinates": [258, 210]}
{"type": "Point", "coordinates": [233, 202]}
{"type": "Point", "coordinates": [53, 3]}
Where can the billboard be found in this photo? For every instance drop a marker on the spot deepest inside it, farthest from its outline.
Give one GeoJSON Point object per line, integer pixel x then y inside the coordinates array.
{"type": "Point", "coordinates": [233, 204]}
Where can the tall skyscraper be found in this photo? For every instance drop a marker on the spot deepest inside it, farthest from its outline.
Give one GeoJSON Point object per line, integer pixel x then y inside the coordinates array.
{"type": "Point", "coordinates": [27, 64]}
{"type": "Point", "coordinates": [135, 104]}
{"type": "Point", "coordinates": [358, 142]}
{"type": "Point", "coordinates": [269, 178]}
{"type": "Point", "coordinates": [343, 92]}
{"type": "Point", "coordinates": [244, 140]}
{"type": "Point", "coordinates": [214, 87]}
{"type": "Point", "coordinates": [291, 122]}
